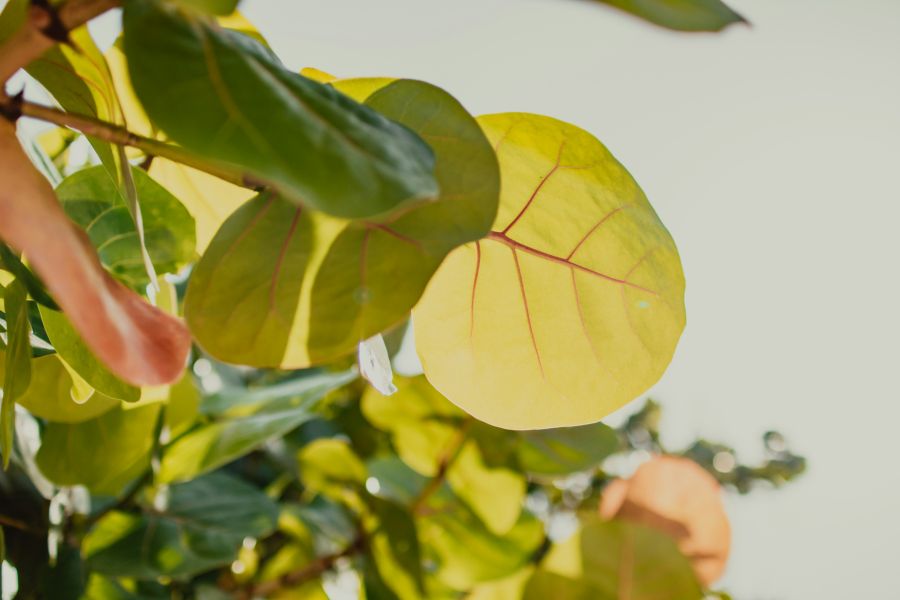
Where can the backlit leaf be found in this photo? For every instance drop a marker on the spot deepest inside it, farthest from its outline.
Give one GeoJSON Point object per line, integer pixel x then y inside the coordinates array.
{"type": "Point", "coordinates": [91, 199]}
{"type": "Point", "coordinates": [239, 107]}
{"type": "Point", "coordinates": [681, 15]}
{"type": "Point", "coordinates": [281, 286]}
{"type": "Point", "coordinates": [216, 7]}
{"type": "Point", "coordinates": [573, 304]}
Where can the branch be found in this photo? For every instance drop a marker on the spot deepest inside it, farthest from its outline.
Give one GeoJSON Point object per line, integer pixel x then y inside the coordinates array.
{"type": "Point", "coordinates": [45, 26]}
{"type": "Point", "coordinates": [116, 134]}
{"type": "Point", "coordinates": [444, 463]}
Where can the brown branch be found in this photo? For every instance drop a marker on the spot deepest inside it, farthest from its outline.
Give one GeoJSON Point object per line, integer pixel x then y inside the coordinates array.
{"type": "Point", "coordinates": [43, 27]}
{"type": "Point", "coordinates": [444, 463]}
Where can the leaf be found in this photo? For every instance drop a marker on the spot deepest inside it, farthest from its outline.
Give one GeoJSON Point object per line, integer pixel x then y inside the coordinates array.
{"type": "Point", "coordinates": [215, 7]}
{"type": "Point", "coordinates": [36, 289]}
{"type": "Point", "coordinates": [394, 547]}
{"type": "Point", "coordinates": [209, 199]}
{"type": "Point", "coordinates": [677, 497]}
{"type": "Point", "coordinates": [681, 15]}
{"type": "Point", "coordinates": [239, 107]}
{"type": "Point", "coordinates": [52, 394]}
{"type": "Point", "coordinates": [17, 363]}
{"type": "Point", "coordinates": [242, 429]}
{"type": "Point", "coordinates": [91, 199]}
{"type": "Point", "coordinates": [201, 528]}
{"type": "Point", "coordinates": [329, 466]}
{"type": "Point", "coordinates": [75, 353]}
{"type": "Point", "coordinates": [614, 560]}
{"type": "Point", "coordinates": [295, 288]}
{"type": "Point", "coordinates": [554, 452]}
{"type": "Point", "coordinates": [137, 342]}
{"type": "Point", "coordinates": [572, 305]}
{"type": "Point", "coordinates": [103, 453]}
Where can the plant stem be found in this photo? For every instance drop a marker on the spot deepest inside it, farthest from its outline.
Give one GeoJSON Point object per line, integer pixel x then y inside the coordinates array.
{"type": "Point", "coordinates": [444, 463]}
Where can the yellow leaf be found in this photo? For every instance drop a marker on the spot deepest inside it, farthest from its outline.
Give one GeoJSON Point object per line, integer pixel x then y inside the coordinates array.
{"type": "Point", "coordinates": [573, 304]}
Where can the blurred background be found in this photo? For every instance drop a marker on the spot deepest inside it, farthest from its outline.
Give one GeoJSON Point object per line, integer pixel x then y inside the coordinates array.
{"type": "Point", "coordinates": [771, 153]}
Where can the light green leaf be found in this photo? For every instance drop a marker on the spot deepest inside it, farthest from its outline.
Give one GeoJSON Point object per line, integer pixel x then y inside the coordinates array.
{"type": "Point", "coordinates": [242, 427]}
{"type": "Point", "coordinates": [297, 288]}
{"type": "Point", "coordinates": [54, 396]}
{"type": "Point", "coordinates": [329, 465]}
{"type": "Point", "coordinates": [103, 453]}
{"type": "Point", "coordinates": [201, 528]}
{"type": "Point", "coordinates": [615, 560]}
{"type": "Point", "coordinates": [182, 406]}
{"type": "Point", "coordinates": [91, 198]}
{"type": "Point", "coordinates": [393, 545]}
{"type": "Point", "coordinates": [17, 363]}
{"type": "Point", "coordinates": [681, 15]}
{"type": "Point", "coordinates": [215, 7]}
{"type": "Point", "coordinates": [239, 107]}
{"type": "Point", "coordinates": [554, 452]}
{"type": "Point", "coordinates": [573, 304]}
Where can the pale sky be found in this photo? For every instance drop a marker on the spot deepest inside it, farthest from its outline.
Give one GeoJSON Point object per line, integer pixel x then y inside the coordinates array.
{"type": "Point", "coordinates": [771, 154]}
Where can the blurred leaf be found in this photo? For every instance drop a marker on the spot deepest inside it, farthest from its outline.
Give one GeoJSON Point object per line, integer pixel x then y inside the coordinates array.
{"type": "Point", "coordinates": [301, 288]}
{"type": "Point", "coordinates": [103, 453]}
{"type": "Point", "coordinates": [17, 363]}
{"type": "Point", "coordinates": [91, 199]}
{"type": "Point", "coordinates": [614, 560]}
{"type": "Point", "coordinates": [394, 547]}
{"type": "Point", "coordinates": [241, 429]}
{"type": "Point", "coordinates": [72, 349]}
{"type": "Point", "coordinates": [52, 394]}
{"type": "Point", "coordinates": [202, 527]}
{"type": "Point", "coordinates": [216, 7]}
{"type": "Point", "coordinates": [553, 452]}
{"type": "Point", "coordinates": [572, 306]}
{"type": "Point", "coordinates": [35, 287]}
{"type": "Point", "coordinates": [238, 106]}
{"type": "Point", "coordinates": [182, 406]}
{"type": "Point", "coordinates": [329, 466]}
{"type": "Point", "coordinates": [681, 15]}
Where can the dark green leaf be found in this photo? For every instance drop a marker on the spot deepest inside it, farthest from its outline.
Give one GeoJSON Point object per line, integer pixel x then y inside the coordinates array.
{"type": "Point", "coordinates": [394, 548]}
{"type": "Point", "coordinates": [225, 97]}
{"type": "Point", "coordinates": [202, 527]}
{"type": "Point", "coordinates": [91, 198]}
{"type": "Point", "coordinates": [35, 287]}
{"type": "Point", "coordinates": [681, 15]}
{"type": "Point", "coordinates": [554, 452]}
{"type": "Point", "coordinates": [17, 366]}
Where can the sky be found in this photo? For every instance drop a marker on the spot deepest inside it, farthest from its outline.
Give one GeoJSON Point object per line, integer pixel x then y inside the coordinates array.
{"type": "Point", "coordinates": [770, 153]}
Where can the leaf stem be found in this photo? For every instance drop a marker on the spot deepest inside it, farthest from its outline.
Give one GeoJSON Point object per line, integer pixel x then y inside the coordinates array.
{"type": "Point", "coordinates": [444, 463]}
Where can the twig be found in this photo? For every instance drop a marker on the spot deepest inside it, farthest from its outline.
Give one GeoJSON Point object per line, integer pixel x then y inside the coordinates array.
{"type": "Point", "coordinates": [446, 460]}
{"type": "Point", "coordinates": [21, 526]}
{"type": "Point", "coordinates": [44, 27]}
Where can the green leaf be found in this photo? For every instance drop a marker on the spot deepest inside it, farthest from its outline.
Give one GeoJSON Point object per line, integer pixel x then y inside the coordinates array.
{"type": "Point", "coordinates": [300, 288]}
{"type": "Point", "coordinates": [394, 547]}
{"type": "Point", "coordinates": [215, 7]}
{"type": "Point", "coordinates": [91, 198]}
{"type": "Point", "coordinates": [103, 453]}
{"type": "Point", "coordinates": [553, 452]}
{"type": "Point", "coordinates": [202, 527]}
{"type": "Point", "coordinates": [17, 363]}
{"type": "Point", "coordinates": [244, 427]}
{"type": "Point", "coordinates": [72, 349]}
{"type": "Point", "coordinates": [573, 304]}
{"type": "Point", "coordinates": [329, 465]}
{"type": "Point", "coordinates": [35, 286]}
{"type": "Point", "coordinates": [225, 97]}
{"type": "Point", "coordinates": [681, 15]}
{"type": "Point", "coordinates": [615, 560]}
{"type": "Point", "coordinates": [53, 395]}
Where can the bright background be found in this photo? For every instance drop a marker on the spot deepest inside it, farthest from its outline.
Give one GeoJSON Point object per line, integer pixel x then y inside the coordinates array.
{"type": "Point", "coordinates": [773, 155]}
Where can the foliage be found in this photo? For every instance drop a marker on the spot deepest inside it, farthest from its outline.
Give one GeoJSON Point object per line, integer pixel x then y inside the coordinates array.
{"type": "Point", "coordinates": [282, 220]}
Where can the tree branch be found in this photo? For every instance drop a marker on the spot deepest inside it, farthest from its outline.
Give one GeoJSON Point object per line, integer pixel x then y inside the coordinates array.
{"type": "Point", "coordinates": [44, 27]}
{"type": "Point", "coordinates": [446, 460]}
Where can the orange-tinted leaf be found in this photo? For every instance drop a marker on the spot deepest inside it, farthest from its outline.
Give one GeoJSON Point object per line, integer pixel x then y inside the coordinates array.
{"type": "Point", "coordinates": [676, 496]}
{"type": "Point", "coordinates": [138, 342]}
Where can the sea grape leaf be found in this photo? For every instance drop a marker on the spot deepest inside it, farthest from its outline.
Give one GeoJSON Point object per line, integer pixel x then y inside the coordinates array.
{"type": "Point", "coordinates": [16, 364]}
{"type": "Point", "coordinates": [615, 560]}
{"type": "Point", "coordinates": [329, 465]}
{"type": "Point", "coordinates": [202, 527]}
{"type": "Point", "coordinates": [215, 7]}
{"type": "Point", "coordinates": [91, 199]}
{"type": "Point", "coordinates": [74, 351]}
{"type": "Point", "coordinates": [283, 287]}
{"type": "Point", "coordinates": [548, 453]}
{"type": "Point", "coordinates": [239, 107]}
{"type": "Point", "coordinates": [52, 394]}
{"type": "Point", "coordinates": [425, 428]}
{"type": "Point", "coordinates": [681, 15]}
{"type": "Point", "coordinates": [136, 341]}
{"type": "Point", "coordinates": [394, 548]}
{"type": "Point", "coordinates": [573, 304]}
{"type": "Point", "coordinates": [103, 453]}
{"type": "Point", "coordinates": [241, 429]}
{"type": "Point", "coordinates": [209, 199]}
